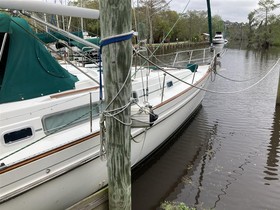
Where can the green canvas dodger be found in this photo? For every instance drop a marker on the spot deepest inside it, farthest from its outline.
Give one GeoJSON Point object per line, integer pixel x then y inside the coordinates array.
{"type": "Point", "coordinates": [27, 69]}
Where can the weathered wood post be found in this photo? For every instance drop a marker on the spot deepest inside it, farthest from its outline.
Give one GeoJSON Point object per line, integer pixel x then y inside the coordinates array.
{"type": "Point", "coordinates": [278, 93]}
{"type": "Point", "coordinates": [115, 18]}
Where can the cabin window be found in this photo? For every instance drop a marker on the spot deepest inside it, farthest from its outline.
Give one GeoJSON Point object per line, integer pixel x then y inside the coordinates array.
{"type": "Point", "coordinates": [69, 118]}
{"type": "Point", "coordinates": [17, 135]}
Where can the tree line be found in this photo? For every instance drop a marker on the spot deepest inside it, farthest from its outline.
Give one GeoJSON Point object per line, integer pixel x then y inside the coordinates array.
{"type": "Point", "coordinates": [155, 23]}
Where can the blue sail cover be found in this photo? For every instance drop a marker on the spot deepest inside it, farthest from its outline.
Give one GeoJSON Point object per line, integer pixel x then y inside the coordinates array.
{"type": "Point", "coordinates": [27, 69]}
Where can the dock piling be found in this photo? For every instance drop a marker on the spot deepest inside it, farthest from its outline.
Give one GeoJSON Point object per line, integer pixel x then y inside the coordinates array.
{"type": "Point", "coordinates": [278, 93]}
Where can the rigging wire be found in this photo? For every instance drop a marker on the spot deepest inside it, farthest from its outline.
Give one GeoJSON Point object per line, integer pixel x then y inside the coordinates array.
{"type": "Point", "coordinates": [121, 109]}
{"type": "Point", "coordinates": [64, 44]}
{"type": "Point", "coordinates": [152, 54]}
{"type": "Point", "coordinates": [233, 80]}
{"type": "Point", "coordinates": [35, 37]}
{"type": "Point", "coordinates": [42, 138]}
{"type": "Point", "coordinates": [238, 80]}
{"type": "Point", "coordinates": [106, 113]}
{"type": "Point", "coordinates": [213, 91]}
{"type": "Point", "coordinates": [170, 29]}
{"type": "Point", "coordinates": [57, 104]}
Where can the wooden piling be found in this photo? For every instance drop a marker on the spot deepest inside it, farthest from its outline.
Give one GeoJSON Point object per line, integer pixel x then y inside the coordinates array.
{"type": "Point", "coordinates": [278, 93]}
{"type": "Point", "coordinates": [115, 18]}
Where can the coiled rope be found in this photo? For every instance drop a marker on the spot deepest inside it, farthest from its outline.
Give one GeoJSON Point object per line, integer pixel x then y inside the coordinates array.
{"type": "Point", "coordinates": [106, 112]}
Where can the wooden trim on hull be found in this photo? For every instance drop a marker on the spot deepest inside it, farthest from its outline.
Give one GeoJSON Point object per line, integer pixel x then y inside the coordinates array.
{"type": "Point", "coordinates": [43, 155]}
{"type": "Point", "coordinates": [94, 156]}
{"type": "Point", "coordinates": [73, 92]}
{"type": "Point", "coordinates": [37, 183]}
{"type": "Point", "coordinates": [181, 93]}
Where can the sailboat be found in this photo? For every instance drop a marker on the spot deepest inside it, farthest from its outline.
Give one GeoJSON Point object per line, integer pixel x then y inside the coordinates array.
{"type": "Point", "coordinates": [50, 116]}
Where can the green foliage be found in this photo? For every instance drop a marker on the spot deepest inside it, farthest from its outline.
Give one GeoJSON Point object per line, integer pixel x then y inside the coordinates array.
{"type": "Point", "coordinates": [163, 23]}
{"type": "Point", "coordinates": [175, 206]}
{"type": "Point", "coordinates": [91, 26]}
{"type": "Point", "coordinates": [153, 18]}
{"type": "Point", "coordinates": [196, 23]}
{"type": "Point", "coordinates": [274, 31]}
{"type": "Point", "coordinates": [217, 24]}
{"type": "Point", "coordinates": [263, 30]}
{"type": "Point", "coordinates": [152, 8]}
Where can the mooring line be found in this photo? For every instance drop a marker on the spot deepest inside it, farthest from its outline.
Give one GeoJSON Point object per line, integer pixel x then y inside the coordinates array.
{"type": "Point", "coordinates": [213, 91]}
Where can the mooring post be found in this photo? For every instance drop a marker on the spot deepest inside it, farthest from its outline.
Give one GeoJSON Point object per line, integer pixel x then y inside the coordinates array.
{"type": "Point", "coordinates": [278, 93]}
{"type": "Point", "coordinates": [115, 18]}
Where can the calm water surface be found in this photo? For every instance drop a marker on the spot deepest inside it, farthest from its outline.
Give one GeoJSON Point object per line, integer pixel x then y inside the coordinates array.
{"type": "Point", "coordinates": [228, 156]}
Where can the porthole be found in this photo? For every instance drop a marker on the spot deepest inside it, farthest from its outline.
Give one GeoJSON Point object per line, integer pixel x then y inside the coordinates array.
{"type": "Point", "coordinates": [17, 135]}
{"type": "Point", "coordinates": [169, 84]}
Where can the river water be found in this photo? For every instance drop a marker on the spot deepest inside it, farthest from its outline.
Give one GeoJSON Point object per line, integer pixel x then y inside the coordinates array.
{"type": "Point", "coordinates": [227, 157]}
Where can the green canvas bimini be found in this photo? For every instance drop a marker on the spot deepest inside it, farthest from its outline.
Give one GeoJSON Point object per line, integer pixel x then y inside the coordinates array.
{"type": "Point", "coordinates": [27, 69]}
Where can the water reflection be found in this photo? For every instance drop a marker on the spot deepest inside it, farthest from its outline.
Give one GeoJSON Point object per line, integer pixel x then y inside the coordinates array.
{"type": "Point", "coordinates": [230, 150]}
{"type": "Point", "coordinates": [273, 150]}
{"type": "Point", "coordinates": [174, 168]}
{"type": "Point", "coordinates": [191, 185]}
{"type": "Point", "coordinates": [210, 152]}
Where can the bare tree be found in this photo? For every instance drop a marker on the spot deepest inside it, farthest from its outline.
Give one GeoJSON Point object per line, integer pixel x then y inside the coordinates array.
{"type": "Point", "coordinates": [266, 6]}
{"type": "Point", "coordinates": [153, 7]}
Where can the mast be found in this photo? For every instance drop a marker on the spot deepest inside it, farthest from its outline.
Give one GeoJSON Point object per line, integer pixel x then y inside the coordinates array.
{"type": "Point", "coordinates": [116, 21]}
{"type": "Point", "coordinates": [209, 22]}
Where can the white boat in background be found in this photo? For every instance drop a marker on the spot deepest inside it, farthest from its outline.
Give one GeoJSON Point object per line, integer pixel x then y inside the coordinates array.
{"type": "Point", "coordinates": [50, 126]}
{"type": "Point", "coordinates": [219, 38]}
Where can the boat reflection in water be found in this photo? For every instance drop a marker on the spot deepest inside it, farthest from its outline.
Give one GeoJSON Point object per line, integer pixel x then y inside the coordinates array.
{"type": "Point", "coordinates": [185, 155]}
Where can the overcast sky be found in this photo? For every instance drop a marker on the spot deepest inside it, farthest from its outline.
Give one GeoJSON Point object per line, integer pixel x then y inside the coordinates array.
{"type": "Point", "coordinates": [232, 10]}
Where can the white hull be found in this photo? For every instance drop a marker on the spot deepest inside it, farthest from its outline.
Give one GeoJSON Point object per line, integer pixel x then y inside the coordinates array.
{"type": "Point", "coordinates": [77, 171]}
{"type": "Point", "coordinates": [50, 119]}
{"type": "Point", "coordinates": [62, 191]}
{"type": "Point", "coordinates": [219, 41]}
